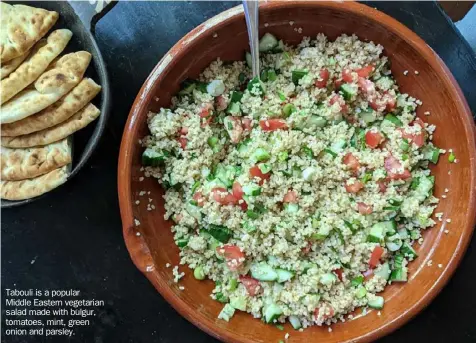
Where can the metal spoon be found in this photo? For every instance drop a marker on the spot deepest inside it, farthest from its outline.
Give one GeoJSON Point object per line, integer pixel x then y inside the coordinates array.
{"type": "Point", "coordinates": [251, 15]}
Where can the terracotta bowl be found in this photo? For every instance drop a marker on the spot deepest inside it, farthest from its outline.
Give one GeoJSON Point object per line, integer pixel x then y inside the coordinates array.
{"type": "Point", "coordinates": [435, 86]}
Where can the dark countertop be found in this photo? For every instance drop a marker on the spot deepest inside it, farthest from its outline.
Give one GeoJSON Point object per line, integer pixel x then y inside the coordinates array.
{"type": "Point", "coordinates": [73, 238]}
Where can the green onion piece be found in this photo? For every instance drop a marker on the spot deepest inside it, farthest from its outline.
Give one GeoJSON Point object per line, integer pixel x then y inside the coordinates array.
{"type": "Point", "coordinates": [182, 242]}
{"type": "Point", "coordinates": [288, 109]}
{"type": "Point", "coordinates": [281, 95]}
{"type": "Point", "coordinates": [358, 280]}
{"type": "Point", "coordinates": [252, 214]}
{"type": "Point", "coordinates": [221, 298]}
{"type": "Point", "coordinates": [405, 157]}
{"type": "Point", "coordinates": [195, 186]}
{"type": "Point", "coordinates": [367, 177]}
{"type": "Point", "coordinates": [280, 327]}
{"type": "Point", "coordinates": [264, 75]}
{"type": "Point", "coordinates": [283, 156]}
{"type": "Point", "coordinates": [394, 120]}
{"type": "Point", "coordinates": [308, 151]}
{"type": "Point", "coordinates": [272, 75]}
{"type": "Point", "coordinates": [236, 96]}
{"type": "Point", "coordinates": [212, 142]}
{"type": "Point", "coordinates": [330, 152]}
{"type": "Point", "coordinates": [451, 157]}
{"type": "Point", "coordinates": [404, 145]}
{"type": "Point", "coordinates": [193, 202]}
{"type": "Point", "coordinates": [297, 75]}
{"type": "Point", "coordinates": [220, 233]}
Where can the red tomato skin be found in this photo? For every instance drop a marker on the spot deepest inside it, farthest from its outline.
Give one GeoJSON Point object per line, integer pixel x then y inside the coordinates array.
{"type": "Point", "coordinates": [256, 172]}
{"type": "Point", "coordinates": [199, 198]}
{"type": "Point", "coordinates": [340, 274]}
{"type": "Point", "coordinates": [382, 186]}
{"type": "Point", "coordinates": [347, 76]}
{"type": "Point", "coordinates": [324, 77]}
{"type": "Point", "coordinates": [373, 139]}
{"type": "Point", "coordinates": [290, 197]}
{"type": "Point", "coordinates": [253, 286]}
{"type": "Point", "coordinates": [183, 142]}
{"type": "Point", "coordinates": [364, 209]}
{"type": "Point", "coordinates": [352, 162]}
{"type": "Point", "coordinates": [365, 71]}
{"type": "Point", "coordinates": [226, 199]}
{"type": "Point", "coordinates": [392, 163]}
{"type": "Point", "coordinates": [366, 86]}
{"type": "Point", "coordinates": [354, 188]}
{"type": "Point", "coordinates": [237, 190]}
{"type": "Point", "coordinates": [232, 255]}
{"type": "Point", "coordinates": [375, 256]}
{"type": "Point", "coordinates": [247, 124]}
{"type": "Point", "coordinates": [273, 124]}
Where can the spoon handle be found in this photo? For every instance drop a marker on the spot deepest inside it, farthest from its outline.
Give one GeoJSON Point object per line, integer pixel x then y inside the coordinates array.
{"type": "Point", "coordinates": [251, 15]}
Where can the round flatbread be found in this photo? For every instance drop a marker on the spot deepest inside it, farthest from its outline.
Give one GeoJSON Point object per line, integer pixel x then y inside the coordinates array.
{"type": "Point", "coordinates": [27, 163]}
{"type": "Point", "coordinates": [65, 74]}
{"type": "Point", "coordinates": [31, 188]}
{"type": "Point", "coordinates": [22, 26]}
{"type": "Point", "coordinates": [54, 114]}
{"type": "Point", "coordinates": [43, 53]}
{"type": "Point", "coordinates": [79, 120]}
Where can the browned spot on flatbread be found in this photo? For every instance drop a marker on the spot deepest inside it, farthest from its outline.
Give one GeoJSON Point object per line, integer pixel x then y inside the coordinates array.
{"type": "Point", "coordinates": [60, 77]}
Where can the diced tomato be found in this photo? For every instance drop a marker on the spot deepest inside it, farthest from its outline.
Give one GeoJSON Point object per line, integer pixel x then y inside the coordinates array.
{"type": "Point", "coordinates": [183, 141]}
{"type": "Point", "coordinates": [354, 187]}
{"type": "Point", "coordinates": [233, 255]}
{"type": "Point", "coordinates": [183, 131]}
{"type": "Point", "coordinates": [375, 256]}
{"type": "Point", "coordinates": [199, 198]}
{"type": "Point", "coordinates": [221, 196]}
{"type": "Point", "coordinates": [390, 101]}
{"type": "Point", "coordinates": [391, 164]}
{"type": "Point", "coordinates": [290, 197]}
{"type": "Point", "coordinates": [417, 138]}
{"type": "Point", "coordinates": [273, 124]}
{"type": "Point", "coordinates": [236, 130]}
{"type": "Point", "coordinates": [243, 205]}
{"type": "Point", "coordinates": [366, 86]}
{"type": "Point", "coordinates": [307, 249]}
{"type": "Point", "coordinates": [373, 139]}
{"type": "Point", "coordinates": [365, 71]}
{"type": "Point", "coordinates": [256, 172]}
{"type": "Point", "coordinates": [340, 100]}
{"type": "Point", "coordinates": [253, 286]}
{"type": "Point", "coordinates": [382, 186]}
{"type": "Point", "coordinates": [237, 191]}
{"type": "Point", "coordinates": [338, 83]}
{"type": "Point", "coordinates": [221, 103]}
{"type": "Point", "coordinates": [323, 78]}
{"type": "Point", "coordinates": [364, 209]}
{"type": "Point", "coordinates": [351, 161]}
{"type": "Point", "coordinates": [340, 274]}
{"type": "Point", "coordinates": [247, 124]}
{"type": "Point", "coordinates": [205, 112]}
{"type": "Point", "coordinates": [327, 312]}
{"type": "Point", "coordinates": [347, 76]}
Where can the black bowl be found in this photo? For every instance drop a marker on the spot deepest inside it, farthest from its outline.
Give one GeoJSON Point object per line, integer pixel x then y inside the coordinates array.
{"type": "Point", "coordinates": [80, 20]}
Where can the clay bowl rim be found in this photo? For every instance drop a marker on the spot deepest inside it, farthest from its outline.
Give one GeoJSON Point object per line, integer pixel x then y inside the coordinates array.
{"type": "Point", "coordinates": [144, 97]}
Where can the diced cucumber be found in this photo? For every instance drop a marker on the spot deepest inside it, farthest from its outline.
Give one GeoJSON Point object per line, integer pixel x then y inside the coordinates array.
{"type": "Point", "coordinates": [234, 108]}
{"type": "Point", "coordinates": [272, 76]}
{"type": "Point", "coordinates": [394, 120]}
{"type": "Point", "coordinates": [297, 75]}
{"type": "Point", "coordinates": [242, 147]}
{"type": "Point", "coordinates": [225, 174]}
{"type": "Point", "coordinates": [376, 302]}
{"type": "Point", "coordinates": [182, 242]}
{"type": "Point", "coordinates": [238, 302]}
{"type": "Point", "coordinates": [328, 279]}
{"type": "Point", "coordinates": [213, 142]}
{"type": "Point", "coordinates": [236, 96]}
{"type": "Point", "coordinates": [267, 43]}
{"type": "Point", "coordinates": [249, 228]}
{"type": "Point", "coordinates": [368, 115]}
{"type": "Point", "coordinates": [383, 271]}
{"type": "Point", "coordinates": [348, 90]}
{"type": "Point", "coordinates": [451, 157]}
{"type": "Point", "coordinates": [187, 87]}
{"type": "Point", "coordinates": [263, 272]}
{"type": "Point", "coordinates": [404, 145]}
{"type": "Point", "coordinates": [252, 214]}
{"type": "Point", "coordinates": [360, 292]}
{"type": "Point", "coordinates": [399, 275]}
{"type": "Point", "coordinates": [284, 275]}
{"type": "Point", "coordinates": [281, 95]}
{"type": "Point", "coordinates": [424, 187]}
{"type": "Point", "coordinates": [272, 312]}
{"type": "Point", "coordinates": [153, 158]}
{"type": "Point", "coordinates": [220, 233]}
{"type": "Point", "coordinates": [309, 173]}
{"type": "Point", "coordinates": [394, 243]}
{"type": "Point", "coordinates": [215, 183]}
{"type": "Point", "coordinates": [283, 156]}
{"type": "Point", "coordinates": [216, 88]}
{"type": "Point", "coordinates": [265, 167]}
{"type": "Point", "coordinates": [261, 155]}
{"type": "Point", "coordinates": [315, 121]}
{"type": "Point", "coordinates": [227, 312]}
{"type": "Point", "coordinates": [248, 59]}
{"type": "Point", "coordinates": [295, 322]}
{"type": "Point", "coordinates": [431, 153]}
{"type": "Point", "coordinates": [291, 208]}
{"type": "Point", "coordinates": [358, 280]}
{"type": "Point", "coordinates": [407, 250]}
{"type": "Point", "coordinates": [221, 297]}
{"type": "Point", "coordinates": [338, 146]}
{"type": "Point", "coordinates": [377, 233]}
{"type": "Point", "coordinates": [194, 211]}
{"type": "Point", "coordinates": [251, 189]}
{"type": "Point", "coordinates": [288, 109]}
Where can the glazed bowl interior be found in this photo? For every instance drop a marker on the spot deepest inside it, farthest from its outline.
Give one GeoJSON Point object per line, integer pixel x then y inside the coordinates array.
{"type": "Point", "coordinates": [434, 85]}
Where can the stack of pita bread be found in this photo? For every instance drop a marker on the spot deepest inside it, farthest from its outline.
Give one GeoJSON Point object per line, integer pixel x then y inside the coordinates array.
{"type": "Point", "coordinates": [44, 99]}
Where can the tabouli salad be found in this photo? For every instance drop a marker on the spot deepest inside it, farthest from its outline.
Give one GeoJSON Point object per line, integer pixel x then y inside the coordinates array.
{"type": "Point", "coordinates": [300, 193]}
